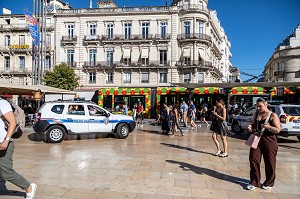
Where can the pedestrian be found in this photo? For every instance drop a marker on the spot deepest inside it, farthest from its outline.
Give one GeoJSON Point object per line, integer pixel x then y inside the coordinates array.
{"type": "Point", "coordinates": [192, 112]}
{"type": "Point", "coordinates": [7, 149]}
{"type": "Point", "coordinates": [203, 113]}
{"type": "Point", "coordinates": [175, 123]}
{"type": "Point", "coordinates": [134, 112]}
{"type": "Point", "coordinates": [165, 119]}
{"type": "Point", "coordinates": [219, 114]}
{"type": "Point", "coordinates": [267, 146]}
{"type": "Point", "coordinates": [140, 116]}
{"type": "Point", "coordinates": [185, 109]}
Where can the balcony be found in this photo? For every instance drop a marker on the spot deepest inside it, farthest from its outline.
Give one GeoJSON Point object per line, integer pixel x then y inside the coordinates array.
{"type": "Point", "coordinates": [128, 65]}
{"type": "Point", "coordinates": [203, 65]}
{"type": "Point", "coordinates": [279, 73]}
{"type": "Point", "coordinates": [91, 39]}
{"type": "Point", "coordinates": [13, 27]}
{"type": "Point", "coordinates": [162, 37]}
{"type": "Point", "coordinates": [216, 50]}
{"type": "Point", "coordinates": [24, 48]}
{"type": "Point", "coordinates": [193, 8]}
{"type": "Point", "coordinates": [127, 38]}
{"type": "Point", "coordinates": [15, 71]}
{"type": "Point", "coordinates": [69, 40]}
{"type": "Point", "coordinates": [49, 26]}
{"type": "Point", "coordinates": [195, 37]}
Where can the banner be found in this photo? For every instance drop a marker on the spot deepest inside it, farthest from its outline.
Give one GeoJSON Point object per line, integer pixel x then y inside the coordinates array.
{"type": "Point", "coordinates": [33, 27]}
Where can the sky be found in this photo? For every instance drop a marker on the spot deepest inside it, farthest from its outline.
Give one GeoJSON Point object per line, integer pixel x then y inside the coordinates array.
{"type": "Point", "coordinates": [254, 27]}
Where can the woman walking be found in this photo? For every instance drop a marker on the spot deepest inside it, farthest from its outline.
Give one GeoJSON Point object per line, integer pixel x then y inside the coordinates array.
{"type": "Point", "coordinates": [267, 146]}
{"type": "Point", "coordinates": [219, 114]}
{"type": "Point", "coordinates": [175, 123]}
{"type": "Point", "coordinates": [165, 119]}
{"type": "Point", "coordinates": [203, 111]}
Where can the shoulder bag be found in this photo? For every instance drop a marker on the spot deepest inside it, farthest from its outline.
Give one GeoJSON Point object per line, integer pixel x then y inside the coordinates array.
{"type": "Point", "coordinates": [255, 137]}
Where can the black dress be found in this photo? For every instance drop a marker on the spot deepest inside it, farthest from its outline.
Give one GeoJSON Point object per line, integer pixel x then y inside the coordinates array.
{"type": "Point", "coordinates": [165, 121]}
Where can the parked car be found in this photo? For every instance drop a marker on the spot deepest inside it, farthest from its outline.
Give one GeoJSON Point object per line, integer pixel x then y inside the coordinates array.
{"type": "Point", "coordinates": [289, 116]}
{"type": "Point", "coordinates": [56, 119]}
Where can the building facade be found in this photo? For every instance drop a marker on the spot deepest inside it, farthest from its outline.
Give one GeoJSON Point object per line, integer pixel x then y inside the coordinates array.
{"type": "Point", "coordinates": [112, 46]}
{"type": "Point", "coordinates": [142, 46]}
{"type": "Point", "coordinates": [284, 65]}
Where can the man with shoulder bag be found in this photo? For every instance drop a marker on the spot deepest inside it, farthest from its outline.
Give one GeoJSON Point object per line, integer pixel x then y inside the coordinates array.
{"type": "Point", "coordinates": [6, 151]}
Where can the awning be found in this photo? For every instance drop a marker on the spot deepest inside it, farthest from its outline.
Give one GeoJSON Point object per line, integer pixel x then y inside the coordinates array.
{"type": "Point", "coordinates": [145, 53]}
{"type": "Point", "coordinates": [186, 52]}
{"type": "Point", "coordinates": [126, 53]}
{"type": "Point", "coordinates": [201, 53]}
{"type": "Point", "coordinates": [17, 89]}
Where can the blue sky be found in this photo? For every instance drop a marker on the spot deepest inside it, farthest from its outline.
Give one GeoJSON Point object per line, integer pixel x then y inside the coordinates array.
{"type": "Point", "coordinates": [254, 27]}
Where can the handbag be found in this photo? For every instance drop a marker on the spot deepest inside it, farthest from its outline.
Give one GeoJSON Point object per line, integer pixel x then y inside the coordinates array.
{"type": "Point", "coordinates": [254, 138]}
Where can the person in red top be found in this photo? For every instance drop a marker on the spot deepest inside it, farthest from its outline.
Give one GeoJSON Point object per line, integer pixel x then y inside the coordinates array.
{"type": "Point", "coordinates": [140, 117]}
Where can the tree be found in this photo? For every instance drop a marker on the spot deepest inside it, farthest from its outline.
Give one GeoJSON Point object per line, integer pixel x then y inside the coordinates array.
{"type": "Point", "coordinates": [62, 77]}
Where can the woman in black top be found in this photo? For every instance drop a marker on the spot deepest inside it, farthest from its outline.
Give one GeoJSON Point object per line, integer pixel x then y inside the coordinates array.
{"type": "Point", "coordinates": [165, 119]}
{"type": "Point", "coordinates": [267, 146]}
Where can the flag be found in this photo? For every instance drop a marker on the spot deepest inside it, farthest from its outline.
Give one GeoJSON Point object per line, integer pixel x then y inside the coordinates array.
{"type": "Point", "coordinates": [33, 27]}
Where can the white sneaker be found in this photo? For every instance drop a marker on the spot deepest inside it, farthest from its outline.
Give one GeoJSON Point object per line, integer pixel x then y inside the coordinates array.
{"type": "Point", "coordinates": [218, 153]}
{"type": "Point", "coordinates": [223, 155]}
{"type": "Point", "coordinates": [251, 187]}
{"type": "Point", "coordinates": [141, 126]}
{"type": "Point", "coordinates": [266, 187]}
{"type": "Point", "coordinates": [32, 193]}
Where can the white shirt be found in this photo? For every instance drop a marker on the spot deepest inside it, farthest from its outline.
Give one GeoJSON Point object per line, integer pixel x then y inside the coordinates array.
{"type": "Point", "coordinates": [5, 107]}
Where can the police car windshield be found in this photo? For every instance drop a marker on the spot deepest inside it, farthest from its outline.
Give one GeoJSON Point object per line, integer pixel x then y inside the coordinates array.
{"type": "Point", "coordinates": [292, 110]}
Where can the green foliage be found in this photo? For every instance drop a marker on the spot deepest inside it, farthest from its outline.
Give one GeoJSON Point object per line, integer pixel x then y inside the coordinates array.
{"type": "Point", "coordinates": [62, 76]}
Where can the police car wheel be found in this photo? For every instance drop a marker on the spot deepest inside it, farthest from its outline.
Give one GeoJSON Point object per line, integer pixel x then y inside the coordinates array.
{"type": "Point", "coordinates": [122, 131]}
{"type": "Point", "coordinates": [235, 127]}
{"type": "Point", "coordinates": [56, 134]}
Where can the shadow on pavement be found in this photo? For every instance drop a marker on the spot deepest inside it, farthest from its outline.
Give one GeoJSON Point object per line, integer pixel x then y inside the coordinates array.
{"type": "Point", "coordinates": [186, 148]}
{"type": "Point", "coordinates": [153, 132]}
{"type": "Point", "coordinates": [200, 170]}
{"type": "Point", "coordinates": [5, 192]}
{"type": "Point", "coordinates": [288, 147]}
{"type": "Point", "coordinates": [285, 140]}
{"type": "Point", "coordinates": [36, 137]}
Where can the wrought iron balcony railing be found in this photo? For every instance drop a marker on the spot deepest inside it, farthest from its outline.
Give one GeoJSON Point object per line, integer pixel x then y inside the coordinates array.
{"type": "Point", "coordinates": [194, 36]}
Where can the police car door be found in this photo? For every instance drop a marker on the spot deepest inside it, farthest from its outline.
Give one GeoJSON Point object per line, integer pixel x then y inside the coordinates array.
{"type": "Point", "coordinates": [76, 118]}
{"type": "Point", "coordinates": [98, 120]}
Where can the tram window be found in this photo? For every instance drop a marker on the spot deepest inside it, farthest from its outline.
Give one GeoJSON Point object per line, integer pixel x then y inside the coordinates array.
{"type": "Point", "coordinates": [136, 99]}
{"type": "Point", "coordinates": [120, 100]}
{"type": "Point", "coordinates": [107, 101]}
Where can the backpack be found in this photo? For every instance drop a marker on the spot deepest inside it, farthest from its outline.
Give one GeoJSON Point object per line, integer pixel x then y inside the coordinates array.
{"type": "Point", "coordinates": [20, 120]}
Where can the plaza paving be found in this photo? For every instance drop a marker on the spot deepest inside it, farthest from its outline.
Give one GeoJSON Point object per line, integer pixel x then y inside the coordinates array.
{"type": "Point", "coordinates": [147, 165]}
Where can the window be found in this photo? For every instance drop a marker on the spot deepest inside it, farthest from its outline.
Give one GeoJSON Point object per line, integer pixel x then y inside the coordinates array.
{"type": "Point", "coordinates": [22, 23]}
{"type": "Point", "coordinates": [186, 76]}
{"type": "Point", "coordinates": [48, 40]}
{"type": "Point", "coordinates": [92, 29]}
{"type": "Point", "coordinates": [92, 57]}
{"type": "Point", "coordinates": [92, 78]}
{"type": "Point", "coordinates": [126, 61]}
{"type": "Point", "coordinates": [96, 111]}
{"type": "Point", "coordinates": [48, 22]}
{"type": "Point", "coordinates": [110, 30]}
{"type": "Point", "coordinates": [201, 5]}
{"type": "Point", "coordinates": [187, 29]}
{"type": "Point", "coordinates": [163, 77]}
{"type": "Point", "coordinates": [70, 30]}
{"type": "Point", "coordinates": [76, 109]}
{"type": "Point", "coordinates": [107, 101]}
{"type": "Point", "coordinates": [109, 78]}
{"type": "Point", "coordinates": [7, 63]}
{"type": "Point", "coordinates": [201, 29]}
{"type": "Point", "coordinates": [145, 30]}
{"type": "Point", "coordinates": [22, 62]}
{"type": "Point", "coordinates": [58, 109]}
{"type": "Point", "coordinates": [200, 78]}
{"type": "Point", "coordinates": [70, 56]}
{"type": "Point", "coordinates": [163, 30]}
{"type": "Point", "coordinates": [127, 30]}
{"type": "Point", "coordinates": [163, 57]}
{"type": "Point", "coordinates": [47, 66]}
{"type": "Point", "coordinates": [127, 77]}
{"type": "Point", "coordinates": [7, 40]}
{"type": "Point", "coordinates": [145, 77]}
{"type": "Point", "coordinates": [145, 61]}
{"type": "Point", "coordinates": [21, 80]}
{"type": "Point", "coordinates": [187, 61]}
{"type": "Point", "coordinates": [21, 39]}
{"type": "Point", "coordinates": [109, 57]}
{"type": "Point", "coordinates": [280, 66]}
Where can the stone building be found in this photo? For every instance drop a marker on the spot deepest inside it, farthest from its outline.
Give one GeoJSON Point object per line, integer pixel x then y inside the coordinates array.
{"type": "Point", "coordinates": [284, 65]}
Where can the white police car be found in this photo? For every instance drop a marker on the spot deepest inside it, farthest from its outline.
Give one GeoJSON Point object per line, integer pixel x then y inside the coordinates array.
{"type": "Point", "coordinates": [56, 119]}
{"type": "Point", "coordinates": [289, 116]}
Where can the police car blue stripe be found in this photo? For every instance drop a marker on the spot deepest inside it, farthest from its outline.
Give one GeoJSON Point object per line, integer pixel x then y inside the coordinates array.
{"type": "Point", "coordinates": [84, 121]}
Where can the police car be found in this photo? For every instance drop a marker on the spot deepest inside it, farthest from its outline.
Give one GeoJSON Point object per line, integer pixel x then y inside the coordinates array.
{"type": "Point", "coordinates": [289, 116]}
{"type": "Point", "coordinates": [57, 119]}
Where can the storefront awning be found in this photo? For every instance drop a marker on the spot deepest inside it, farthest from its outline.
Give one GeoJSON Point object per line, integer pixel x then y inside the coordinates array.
{"type": "Point", "coordinates": [186, 52]}
{"type": "Point", "coordinates": [145, 53]}
{"type": "Point", "coordinates": [126, 53]}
